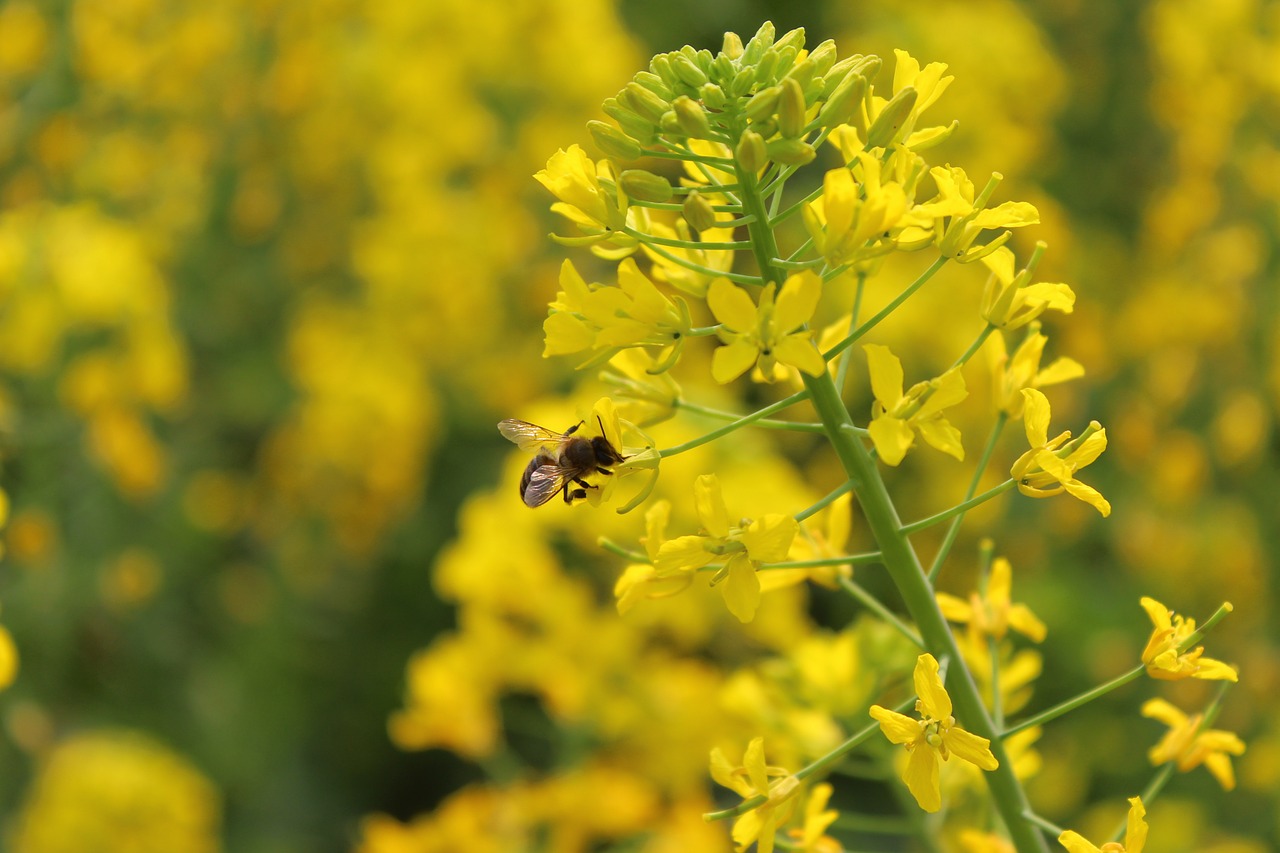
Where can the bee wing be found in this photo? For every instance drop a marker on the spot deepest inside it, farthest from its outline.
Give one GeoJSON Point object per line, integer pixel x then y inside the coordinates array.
{"type": "Point", "coordinates": [528, 436]}
{"type": "Point", "coordinates": [545, 481]}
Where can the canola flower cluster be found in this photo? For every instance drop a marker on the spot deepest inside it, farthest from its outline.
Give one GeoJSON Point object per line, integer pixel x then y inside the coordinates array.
{"type": "Point", "coordinates": [742, 123]}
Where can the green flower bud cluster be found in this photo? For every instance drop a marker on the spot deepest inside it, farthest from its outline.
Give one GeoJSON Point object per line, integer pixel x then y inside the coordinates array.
{"type": "Point", "coordinates": [762, 100]}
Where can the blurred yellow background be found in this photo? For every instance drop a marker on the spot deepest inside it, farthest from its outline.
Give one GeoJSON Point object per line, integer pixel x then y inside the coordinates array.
{"type": "Point", "coordinates": [270, 271]}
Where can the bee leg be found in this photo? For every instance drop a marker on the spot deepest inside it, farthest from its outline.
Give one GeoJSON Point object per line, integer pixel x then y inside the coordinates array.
{"type": "Point", "coordinates": [603, 470]}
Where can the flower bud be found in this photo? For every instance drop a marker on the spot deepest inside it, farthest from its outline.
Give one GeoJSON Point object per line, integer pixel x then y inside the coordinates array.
{"type": "Point", "coordinates": [732, 46]}
{"type": "Point", "coordinates": [687, 70]}
{"type": "Point", "coordinates": [803, 73]}
{"type": "Point", "coordinates": [884, 130]}
{"type": "Point", "coordinates": [792, 39]}
{"type": "Point", "coordinates": [763, 103]}
{"type": "Point", "coordinates": [691, 117]}
{"type": "Point", "coordinates": [791, 109]}
{"type": "Point", "coordinates": [759, 43]}
{"type": "Point", "coordinates": [660, 65]}
{"type": "Point", "coordinates": [698, 212]}
{"type": "Point", "coordinates": [643, 102]}
{"type": "Point", "coordinates": [613, 142]}
{"type": "Point", "coordinates": [823, 56]}
{"type": "Point", "coordinates": [751, 153]}
{"type": "Point", "coordinates": [632, 125]}
{"type": "Point", "coordinates": [645, 186]}
{"type": "Point", "coordinates": [742, 82]}
{"type": "Point", "coordinates": [791, 152]}
{"type": "Point", "coordinates": [713, 97]}
{"type": "Point", "coordinates": [844, 101]}
{"type": "Point", "coordinates": [654, 84]}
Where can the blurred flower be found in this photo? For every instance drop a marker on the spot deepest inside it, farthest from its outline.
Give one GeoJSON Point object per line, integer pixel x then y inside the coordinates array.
{"type": "Point", "coordinates": [1135, 835]}
{"type": "Point", "coordinates": [1190, 745]}
{"type": "Point", "coordinates": [933, 738]}
{"type": "Point", "coordinates": [1164, 657]}
{"type": "Point", "coordinates": [1023, 370]}
{"type": "Point", "coordinates": [768, 333]}
{"type": "Point", "coordinates": [589, 197]}
{"type": "Point", "coordinates": [1045, 470]}
{"type": "Point", "coordinates": [1011, 300]}
{"type": "Point", "coordinates": [812, 837]}
{"type": "Point", "coordinates": [752, 779]}
{"type": "Point", "coordinates": [124, 792]}
{"type": "Point", "coordinates": [992, 614]}
{"type": "Point", "coordinates": [896, 417]}
{"type": "Point", "coordinates": [967, 215]}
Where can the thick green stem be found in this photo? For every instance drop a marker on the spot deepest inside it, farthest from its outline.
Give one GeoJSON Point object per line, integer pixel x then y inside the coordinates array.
{"type": "Point", "coordinates": [899, 557]}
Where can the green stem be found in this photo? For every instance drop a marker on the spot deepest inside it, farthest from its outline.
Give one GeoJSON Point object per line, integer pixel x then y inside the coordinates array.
{"type": "Point", "coordinates": [884, 312]}
{"type": "Point", "coordinates": [740, 278]}
{"type": "Point", "coordinates": [766, 423]}
{"type": "Point", "coordinates": [876, 606]}
{"type": "Point", "coordinates": [842, 372]}
{"type": "Point", "coordinates": [900, 558]}
{"type": "Point", "coordinates": [959, 509]}
{"type": "Point", "coordinates": [1075, 702]}
{"type": "Point", "coordinates": [842, 489]}
{"type": "Point", "coordinates": [696, 245]}
{"type": "Point", "coordinates": [1047, 825]}
{"type": "Point", "coordinates": [973, 347]}
{"type": "Point", "coordinates": [746, 420]}
{"type": "Point", "coordinates": [944, 550]}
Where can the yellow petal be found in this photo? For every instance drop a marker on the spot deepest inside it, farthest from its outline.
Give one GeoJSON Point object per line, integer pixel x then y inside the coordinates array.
{"type": "Point", "coordinates": [933, 696]}
{"type": "Point", "coordinates": [753, 761]}
{"type": "Point", "coordinates": [682, 554]}
{"type": "Point", "coordinates": [1026, 623]}
{"type": "Point", "coordinates": [741, 588]}
{"type": "Point", "coordinates": [1165, 712]}
{"type": "Point", "coordinates": [1215, 670]}
{"type": "Point", "coordinates": [921, 777]}
{"type": "Point", "coordinates": [1076, 843]}
{"type": "Point", "coordinates": [898, 728]}
{"type": "Point", "coordinates": [939, 434]}
{"type": "Point", "coordinates": [1035, 417]}
{"type": "Point", "coordinates": [768, 539]}
{"type": "Point", "coordinates": [948, 389]}
{"type": "Point", "coordinates": [731, 305]}
{"type": "Point", "coordinates": [892, 438]}
{"type": "Point", "coordinates": [797, 301]}
{"type": "Point", "coordinates": [954, 608]}
{"type": "Point", "coordinates": [886, 375]}
{"type": "Point", "coordinates": [968, 746]}
{"type": "Point", "coordinates": [709, 503]}
{"type": "Point", "coordinates": [730, 362]}
{"type": "Point", "coordinates": [1157, 612]}
{"type": "Point", "coordinates": [1135, 836]}
{"type": "Point", "coordinates": [1089, 495]}
{"type": "Point", "coordinates": [8, 658]}
{"type": "Point", "coordinates": [800, 352]}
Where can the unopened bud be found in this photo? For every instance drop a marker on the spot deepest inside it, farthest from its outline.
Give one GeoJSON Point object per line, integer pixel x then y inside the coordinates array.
{"type": "Point", "coordinates": [742, 82]}
{"type": "Point", "coordinates": [661, 66]}
{"type": "Point", "coordinates": [791, 152]}
{"type": "Point", "coordinates": [823, 57]}
{"type": "Point", "coordinates": [691, 117]}
{"type": "Point", "coordinates": [885, 129]}
{"type": "Point", "coordinates": [751, 153]}
{"type": "Point", "coordinates": [793, 39]}
{"type": "Point", "coordinates": [791, 109]}
{"type": "Point", "coordinates": [632, 125]}
{"type": "Point", "coordinates": [645, 186]}
{"type": "Point", "coordinates": [654, 84]}
{"type": "Point", "coordinates": [613, 142]}
{"type": "Point", "coordinates": [644, 103]}
{"type": "Point", "coordinates": [732, 47]}
{"type": "Point", "coordinates": [759, 43]}
{"type": "Point", "coordinates": [687, 70]}
{"type": "Point", "coordinates": [763, 103]}
{"type": "Point", "coordinates": [698, 212]}
{"type": "Point", "coordinates": [713, 96]}
{"type": "Point", "coordinates": [844, 101]}
{"type": "Point", "coordinates": [803, 73]}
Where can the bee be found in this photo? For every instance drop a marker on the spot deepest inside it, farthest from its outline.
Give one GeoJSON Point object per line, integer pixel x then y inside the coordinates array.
{"type": "Point", "coordinates": [561, 460]}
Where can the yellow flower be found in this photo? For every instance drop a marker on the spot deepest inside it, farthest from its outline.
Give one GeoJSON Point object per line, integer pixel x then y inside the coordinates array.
{"type": "Point", "coordinates": [603, 320]}
{"type": "Point", "coordinates": [851, 214]}
{"type": "Point", "coordinates": [1190, 746]}
{"type": "Point", "coordinates": [1011, 375]}
{"type": "Point", "coordinates": [752, 779]}
{"type": "Point", "coordinates": [1135, 835]}
{"type": "Point", "coordinates": [933, 738]}
{"type": "Point", "coordinates": [772, 332]}
{"type": "Point", "coordinates": [746, 544]}
{"type": "Point", "coordinates": [641, 581]}
{"type": "Point", "coordinates": [645, 395]}
{"type": "Point", "coordinates": [993, 614]}
{"type": "Point", "coordinates": [974, 841]}
{"type": "Point", "coordinates": [1162, 656]}
{"type": "Point", "coordinates": [896, 417]}
{"type": "Point", "coordinates": [1011, 300]}
{"type": "Point", "coordinates": [590, 198]}
{"type": "Point", "coordinates": [829, 542]}
{"type": "Point", "coordinates": [812, 837]}
{"type": "Point", "coordinates": [1042, 472]}
{"type": "Point", "coordinates": [675, 273]}
{"type": "Point", "coordinates": [966, 216]}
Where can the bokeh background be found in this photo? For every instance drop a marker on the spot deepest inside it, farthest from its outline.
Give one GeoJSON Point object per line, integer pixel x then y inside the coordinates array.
{"type": "Point", "coordinates": [270, 271]}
